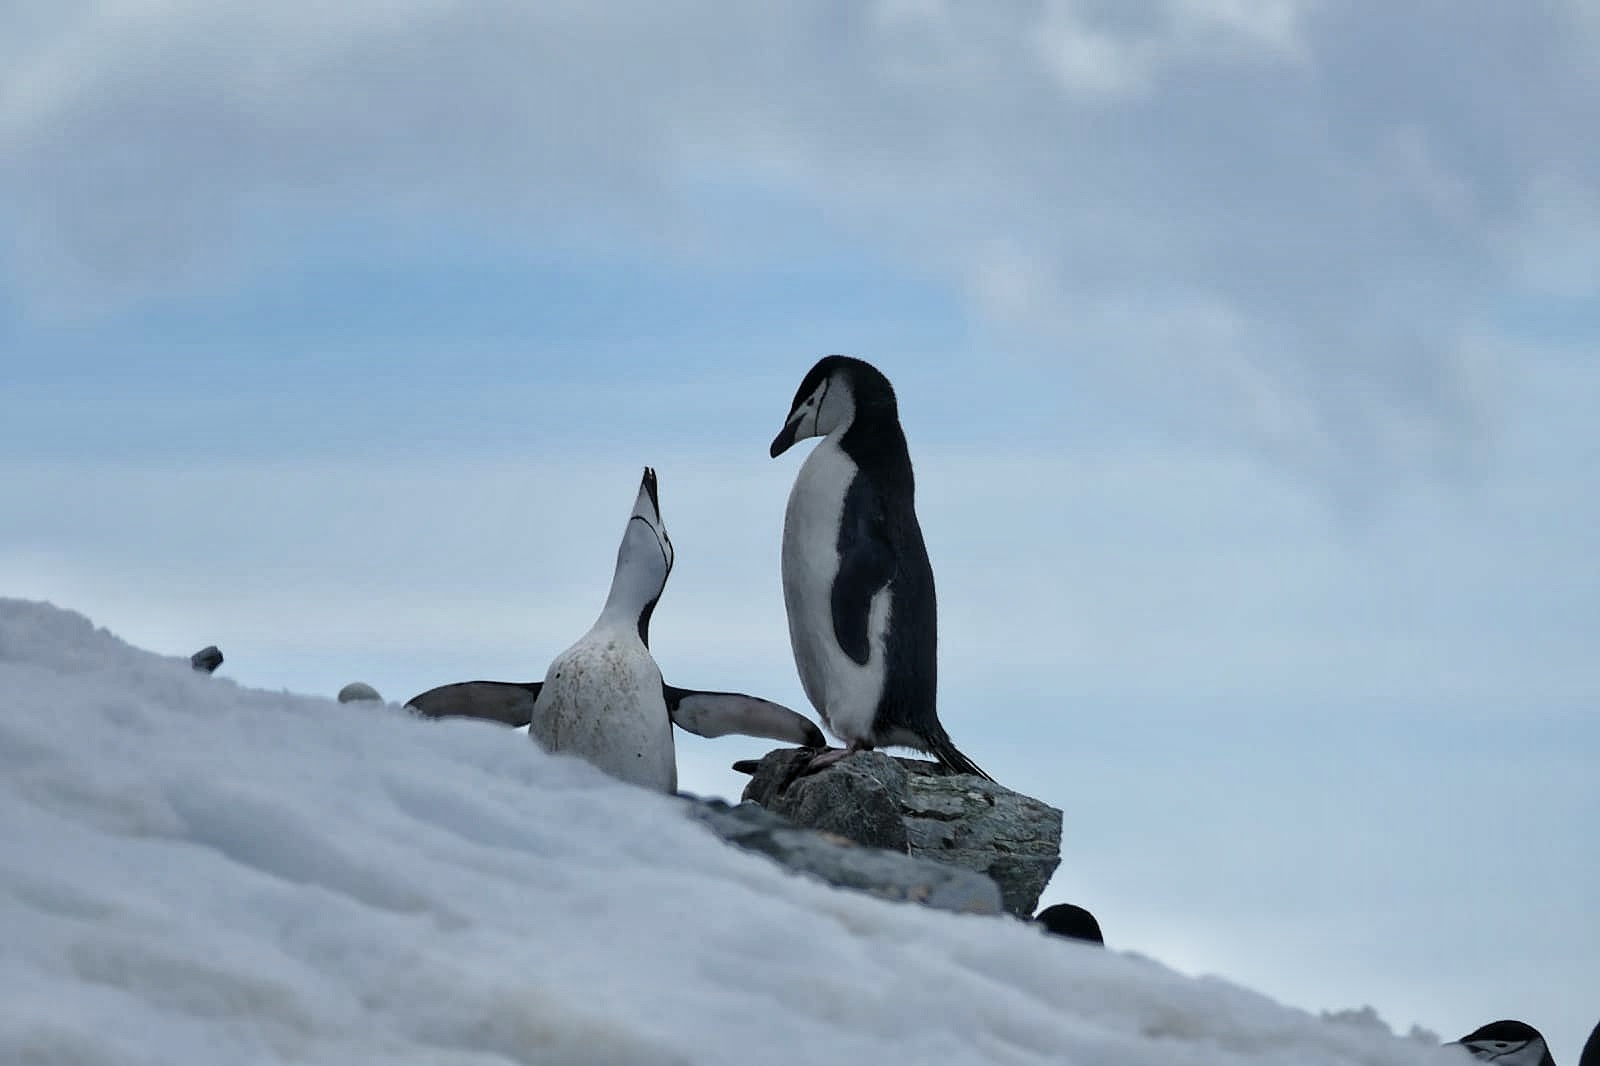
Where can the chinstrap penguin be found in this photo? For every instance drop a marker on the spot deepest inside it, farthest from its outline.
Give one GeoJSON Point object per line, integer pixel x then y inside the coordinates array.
{"type": "Point", "coordinates": [857, 583]}
{"type": "Point", "coordinates": [603, 699]}
{"type": "Point", "coordinates": [1508, 1043]}
{"type": "Point", "coordinates": [1071, 921]}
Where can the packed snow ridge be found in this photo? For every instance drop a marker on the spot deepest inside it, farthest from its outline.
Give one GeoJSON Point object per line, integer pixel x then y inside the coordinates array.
{"type": "Point", "coordinates": [194, 873]}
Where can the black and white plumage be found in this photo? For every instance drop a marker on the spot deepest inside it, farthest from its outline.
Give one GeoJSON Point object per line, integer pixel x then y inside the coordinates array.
{"type": "Point", "coordinates": [857, 583]}
{"type": "Point", "coordinates": [1508, 1043]}
{"type": "Point", "coordinates": [603, 699]}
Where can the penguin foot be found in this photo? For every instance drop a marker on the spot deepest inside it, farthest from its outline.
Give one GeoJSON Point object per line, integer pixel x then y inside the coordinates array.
{"type": "Point", "coordinates": [827, 757]}
{"type": "Point", "coordinates": [824, 759]}
{"type": "Point", "coordinates": [805, 767]}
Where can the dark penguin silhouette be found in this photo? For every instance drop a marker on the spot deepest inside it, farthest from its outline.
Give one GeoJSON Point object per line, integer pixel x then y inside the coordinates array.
{"type": "Point", "coordinates": [603, 699]}
{"type": "Point", "coordinates": [206, 660]}
{"type": "Point", "coordinates": [1070, 920]}
{"type": "Point", "coordinates": [857, 583]}
{"type": "Point", "coordinates": [1591, 1049]}
{"type": "Point", "coordinates": [1508, 1043]}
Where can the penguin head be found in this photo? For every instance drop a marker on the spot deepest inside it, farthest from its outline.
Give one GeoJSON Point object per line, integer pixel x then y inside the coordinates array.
{"type": "Point", "coordinates": [1071, 921]}
{"type": "Point", "coordinates": [644, 559]}
{"type": "Point", "coordinates": [829, 398]}
{"type": "Point", "coordinates": [1508, 1043]}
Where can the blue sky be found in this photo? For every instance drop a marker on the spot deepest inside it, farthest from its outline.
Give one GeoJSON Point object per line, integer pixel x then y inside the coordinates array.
{"type": "Point", "coordinates": [1247, 352]}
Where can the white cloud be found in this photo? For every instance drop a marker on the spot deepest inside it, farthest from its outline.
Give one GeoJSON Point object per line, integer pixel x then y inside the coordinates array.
{"type": "Point", "coordinates": [1301, 177]}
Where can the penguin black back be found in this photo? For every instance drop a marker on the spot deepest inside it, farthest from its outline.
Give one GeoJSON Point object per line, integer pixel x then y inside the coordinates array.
{"type": "Point", "coordinates": [885, 492]}
{"type": "Point", "coordinates": [882, 502]}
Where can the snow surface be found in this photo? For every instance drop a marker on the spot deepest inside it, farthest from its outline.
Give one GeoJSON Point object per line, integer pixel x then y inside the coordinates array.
{"type": "Point", "coordinates": [196, 873]}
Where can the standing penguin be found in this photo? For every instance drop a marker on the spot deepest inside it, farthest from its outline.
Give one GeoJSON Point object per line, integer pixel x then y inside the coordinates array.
{"type": "Point", "coordinates": [1509, 1043]}
{"type": "Point", "coordinates": [603, 699]}
{"type": "Point", "coordinates": [856, 579]}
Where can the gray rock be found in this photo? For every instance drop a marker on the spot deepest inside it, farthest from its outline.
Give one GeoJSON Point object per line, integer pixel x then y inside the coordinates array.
{"type": "Point", "coordinates": [919, 807]}
{"type": "Point", "coordinates": [845, 864]}
{"type": "Point", "coordinates": [357, 691]}
{"type": "Point", "coordinates": [206, 660]}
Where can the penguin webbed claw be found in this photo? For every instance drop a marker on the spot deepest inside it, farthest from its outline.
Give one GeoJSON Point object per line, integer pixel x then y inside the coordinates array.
{"type": "Point", "coordinates": [824, 758]}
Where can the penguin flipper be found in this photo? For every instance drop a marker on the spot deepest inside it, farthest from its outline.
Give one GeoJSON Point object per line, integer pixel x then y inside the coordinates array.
{"type": "Point", "coordinates": [509, 702]}
{"type": "Point", "coordinates": [719, 714]}
{"type": "Point", "coordinates": [866, 565]}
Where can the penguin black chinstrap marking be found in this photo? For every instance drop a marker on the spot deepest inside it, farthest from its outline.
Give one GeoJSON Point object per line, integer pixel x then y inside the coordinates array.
{"type": "Point", "coordinates": [858, 586]}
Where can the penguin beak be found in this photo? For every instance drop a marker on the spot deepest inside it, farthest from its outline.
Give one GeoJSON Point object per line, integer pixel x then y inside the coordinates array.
{"type": "Point", "coordinates": [648, 506]}
{"type": "Point", "coordinates": [785, 438]}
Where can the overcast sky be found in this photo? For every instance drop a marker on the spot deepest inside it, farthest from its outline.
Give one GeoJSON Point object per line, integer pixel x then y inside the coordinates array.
{"type": "Point", "coordinates": [1247, 350]}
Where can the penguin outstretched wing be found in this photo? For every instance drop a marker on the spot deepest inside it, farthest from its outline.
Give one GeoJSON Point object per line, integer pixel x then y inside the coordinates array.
{"type": "Point", "coordinates": [717, 714]}
{"type": "Point", "coordinates": [510, 702]}
{"type": "Point", "coordinates": [866, 565]}
{"type": "Point", "coordinates": [706, 714]}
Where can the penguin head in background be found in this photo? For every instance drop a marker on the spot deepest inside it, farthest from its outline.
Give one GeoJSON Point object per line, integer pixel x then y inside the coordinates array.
{"type": "Point", "coordinates": [1071, 921]}
{"type": "Point", "coordinates": [1509, 1043]}
{"type": "Point", "coordinates": [830, 396]}
{"type": "Point", "coordinates": [644, 558]}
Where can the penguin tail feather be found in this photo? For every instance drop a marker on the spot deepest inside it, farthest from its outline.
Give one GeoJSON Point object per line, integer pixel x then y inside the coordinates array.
{"type": "Point", "coordinates": [950, 755]}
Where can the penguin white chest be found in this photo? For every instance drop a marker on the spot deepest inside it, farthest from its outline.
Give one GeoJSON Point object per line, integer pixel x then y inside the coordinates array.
{"type": "Point", "coordinates": [602, 701]}
{"type": "Point", "coordinates": [844, 692]}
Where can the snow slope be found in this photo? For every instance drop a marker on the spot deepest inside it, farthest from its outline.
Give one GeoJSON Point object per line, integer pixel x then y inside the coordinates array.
{"type": "Point", "coordinates": [194, 874]}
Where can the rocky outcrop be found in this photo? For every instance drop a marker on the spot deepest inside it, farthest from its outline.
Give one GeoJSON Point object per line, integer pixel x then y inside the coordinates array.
{"type": "Point", "coordinates": [846, 864]}
{"type": "Point", "coordinates": [919, 808]}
